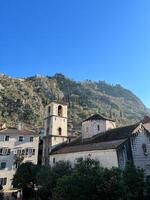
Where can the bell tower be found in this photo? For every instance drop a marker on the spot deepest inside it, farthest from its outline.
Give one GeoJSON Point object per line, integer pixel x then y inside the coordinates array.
{"type": "Point", "coordinates": [55, 124]}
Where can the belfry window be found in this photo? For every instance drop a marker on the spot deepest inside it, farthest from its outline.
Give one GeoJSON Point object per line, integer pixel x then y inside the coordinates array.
{"type": "Point", "coordinates": [60, 111]}
{"type": "Point", "coordinates": [59, 131]}
{"type": "Point", "coordinates": [49, 110]}
{"type": "Point", "coordinates": [98, 127]}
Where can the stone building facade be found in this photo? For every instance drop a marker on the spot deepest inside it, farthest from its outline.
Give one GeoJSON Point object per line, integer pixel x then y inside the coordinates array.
{"type": "Point", "coordinates": [111, 146]}
{"type": "Point", "coordinates": [16, 146]}
{"type": "Point", "coordinates": [55, 124]}
{"type": "Point", "coordinates": [96, 124]}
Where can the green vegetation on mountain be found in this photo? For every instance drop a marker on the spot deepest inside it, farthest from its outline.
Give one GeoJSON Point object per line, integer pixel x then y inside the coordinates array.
{"type": "Point", "coordinates": [23, 99]}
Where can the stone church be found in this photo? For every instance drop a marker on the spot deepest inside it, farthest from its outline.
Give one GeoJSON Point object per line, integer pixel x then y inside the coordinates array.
{"type": "Point", "coordinates": [100, 140]}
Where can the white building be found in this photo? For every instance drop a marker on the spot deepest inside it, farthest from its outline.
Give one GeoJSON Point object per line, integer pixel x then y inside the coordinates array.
{"type": "Point", "coordinates": [101, 140]}
{"type": "Point", "coordinates": [16, 146]}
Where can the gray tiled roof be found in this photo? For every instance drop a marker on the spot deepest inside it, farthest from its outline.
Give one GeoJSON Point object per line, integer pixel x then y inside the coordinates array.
{"type": "Point", "coordinates": [14, 131]}
{"type": "Point", "coordinates": [97, 117]}
{"type": "Point", "coordinates": [110, 139]}
{"type": "Point", "coordinates": [88, 147]}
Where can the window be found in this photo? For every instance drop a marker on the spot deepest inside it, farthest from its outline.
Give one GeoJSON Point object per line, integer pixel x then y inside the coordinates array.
{"type": "Point", "coordinates": [60, 111]}
{"type": "Point", "coordinates": [23, 152]}
{"type": "Point", "coordinates": [7, 138]}
{"type": "Point", "coordinates": [47, 130]}
{"type": "Point", "coordinates": [3, 165]}
{"type": "Point", "coordinates": [145, 150]}
{"type": "Point", "coordinates": [3, 181]}
{"type": "Point", "coordinates": [20, 138]}
{"type": "Point", "coordinates": [27, 151]}
{"type": "Point", "coordinates": [1, 151]}
{"type": "Point", "coordinates": [49, 110]}
{"type": "Point", "coordinates": [33, 151]}
{"type": "Point", "coordinates": [19, 152]}
{"type": "Point", "coordinates": [4, 151]}
{"type": "Point", "coordinates": [8, 151]}
{"type": "Point", "coordinates": [98, 127]}
{"type": "Point", "coordinates": [30, 151]}
{"type": "Point", "coordinates": [59, 131]}
{"type": "Point", "coordinates": [31, 139]}
{"type": "Point", "coordinates": [54, 160]}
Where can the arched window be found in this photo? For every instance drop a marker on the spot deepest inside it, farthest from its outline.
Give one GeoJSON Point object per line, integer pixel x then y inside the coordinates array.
{"type": "Point", "coordinates": [60, 111]}
{"type": "Point", "coordinates": [59, 131]}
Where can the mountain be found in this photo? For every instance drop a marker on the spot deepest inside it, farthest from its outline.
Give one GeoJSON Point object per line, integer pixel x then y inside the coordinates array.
{"type": "Point", "coordinates": [23, 99]}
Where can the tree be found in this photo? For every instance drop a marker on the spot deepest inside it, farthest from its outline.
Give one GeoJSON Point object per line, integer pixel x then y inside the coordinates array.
{"type": "Point", "coordinates": [134, 182]}
{"type": "Point", "coordinates": [89, 181]}
{"type": "Point", "coordinates": [147, 187]}
{"type": "Point", "coordinates": [110, 184]}
{"type": "Point", "coordinates": [25, 178]}
{"type": "Point", "coordinates": [48, 177]}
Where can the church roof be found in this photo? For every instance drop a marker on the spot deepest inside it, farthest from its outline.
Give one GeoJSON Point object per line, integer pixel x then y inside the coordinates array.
{"type": "Point", "coordinates": [115, 134]}
{"type": "Point", "coordinates": [88, 147]}
{"type": "Point", "coordinates": [110, 139]}
{"type": "Point", "coordinates": [97, 117]}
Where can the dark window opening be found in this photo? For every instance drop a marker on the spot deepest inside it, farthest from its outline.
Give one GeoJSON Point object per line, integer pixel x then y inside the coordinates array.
{"type": "Point", "coordinates": [20, 138]}
{"type": "Point", "coordinates": [33, 151]}
{"type": "Point", "coordinates": [60, 111]}
{"type": "Point", "coordinates": [3, 181]}
{"type": "Point", "coordinates": [54, 160]}
{"type": "Point", "coordinates": [3, 165]}
{"type": "Point", "coordinates": [7, 138]}
{"type": "Point", "coordinates": [145, 150]}
{"type": "Point", "coordinates": [49, 110]}
{"type": "Point", "coordinates": [59, 131]}
{"type": "Point", "coordinates": [98, 127]}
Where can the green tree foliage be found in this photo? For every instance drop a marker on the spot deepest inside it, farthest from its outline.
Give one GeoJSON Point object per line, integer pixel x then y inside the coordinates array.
{"type": "Point", "coordinates": [25, 175]}
{"type": "Point", "coordinates": [87, 180]}
{"type": "Point", "coordinates": [51, 175]}
{"type": "Point", "coordinates": [134, 182]}
{"type": "Point", "coordinates": [147, 187]}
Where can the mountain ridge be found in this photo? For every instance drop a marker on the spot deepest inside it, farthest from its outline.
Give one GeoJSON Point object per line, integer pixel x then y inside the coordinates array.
{"type": "Point", "coordinates": [23, 99]}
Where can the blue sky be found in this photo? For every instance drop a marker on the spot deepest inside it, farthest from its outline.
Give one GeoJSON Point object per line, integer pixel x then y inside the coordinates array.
{"type": "Point", "coordinates": [83, 39]}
